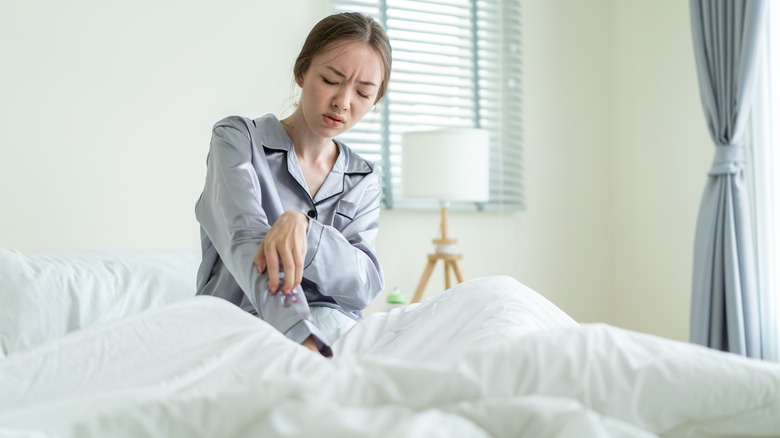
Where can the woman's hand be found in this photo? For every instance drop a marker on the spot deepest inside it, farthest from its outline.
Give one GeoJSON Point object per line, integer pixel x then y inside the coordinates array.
{"type": "Point", "coordinates": [284, 248]}
{"type": "Point", "coordinates": [311, 344]}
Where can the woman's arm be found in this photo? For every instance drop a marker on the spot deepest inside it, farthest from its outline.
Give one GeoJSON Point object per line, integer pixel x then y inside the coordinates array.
{"type": "Point", "coordinates": [283, 249]}
{"type": "Point", "coordinates": [343, 262]}
{"type": "Point", "coordinates": [231, 213]}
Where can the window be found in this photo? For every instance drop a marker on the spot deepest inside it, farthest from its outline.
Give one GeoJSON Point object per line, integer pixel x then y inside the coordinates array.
{"type": "Point", "coordinates": [766, 181]}
{"type": "Point", "coordinates": [456, 63]}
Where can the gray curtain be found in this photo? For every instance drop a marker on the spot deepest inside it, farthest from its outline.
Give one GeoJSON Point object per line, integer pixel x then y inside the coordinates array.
{"type": "Point", "coordinates": [725, 311]}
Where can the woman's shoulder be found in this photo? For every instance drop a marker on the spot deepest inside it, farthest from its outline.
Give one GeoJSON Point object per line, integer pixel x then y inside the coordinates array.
{"type": "Point", "coordinates": [245, 123]}
{"type": "Point", "coordinates": [263, 130]}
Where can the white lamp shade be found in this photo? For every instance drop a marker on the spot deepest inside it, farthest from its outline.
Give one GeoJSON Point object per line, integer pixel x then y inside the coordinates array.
{"type": "Point", "coordinates": [450, 164]}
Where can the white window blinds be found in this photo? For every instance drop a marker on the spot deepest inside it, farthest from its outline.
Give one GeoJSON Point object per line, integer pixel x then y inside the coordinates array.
{"type": "Point", "coordinates": [456, 63]}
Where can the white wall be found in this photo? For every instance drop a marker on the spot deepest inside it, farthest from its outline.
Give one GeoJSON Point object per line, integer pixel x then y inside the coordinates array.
{"type": "Point", "coordinates": [107, 109]}
{"type": "Point", "coordinates": [662, 153]}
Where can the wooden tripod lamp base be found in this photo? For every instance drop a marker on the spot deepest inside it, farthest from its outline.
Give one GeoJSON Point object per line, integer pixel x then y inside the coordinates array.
{"type": "Point", "coordinates": [445, 251]}
{"type": "Point", "coordinates": [448, 164]}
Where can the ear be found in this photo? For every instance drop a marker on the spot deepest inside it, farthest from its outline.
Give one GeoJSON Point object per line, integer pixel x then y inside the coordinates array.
{"type": "Point", "coordinates": [299, 80]}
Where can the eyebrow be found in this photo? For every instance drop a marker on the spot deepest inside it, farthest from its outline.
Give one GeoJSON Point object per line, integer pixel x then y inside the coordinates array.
{"type": "Point", "coordinates": [339, 73]}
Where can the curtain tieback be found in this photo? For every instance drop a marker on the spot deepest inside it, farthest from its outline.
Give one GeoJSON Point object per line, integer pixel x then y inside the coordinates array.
{"type": "Point", "coordinates": [729, 159]}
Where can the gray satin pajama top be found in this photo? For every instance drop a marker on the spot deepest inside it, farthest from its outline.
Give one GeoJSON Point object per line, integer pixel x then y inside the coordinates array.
{"type": "Point", "coordinates": [253, 176]}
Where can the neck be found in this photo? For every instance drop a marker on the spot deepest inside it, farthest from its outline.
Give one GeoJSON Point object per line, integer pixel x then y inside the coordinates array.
{"type": "Point", "coordinates": [309, 147]}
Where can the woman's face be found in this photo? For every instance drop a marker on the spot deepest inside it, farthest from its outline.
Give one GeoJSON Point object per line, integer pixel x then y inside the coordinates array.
{"type": "Point", "coordinates": [339, 88]}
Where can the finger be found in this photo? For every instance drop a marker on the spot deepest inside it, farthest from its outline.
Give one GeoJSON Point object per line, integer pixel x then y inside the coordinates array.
{"type": "Point", "coordinates": [260, 259]}
{"type": "Point", "coordinates": [289, 267]}
{"type": "Point", "coordinates": [272, 268]}
{"type": "Point", "coordinates": [299, 267]}
{"type": "Point", "coordinates": [261, 264]}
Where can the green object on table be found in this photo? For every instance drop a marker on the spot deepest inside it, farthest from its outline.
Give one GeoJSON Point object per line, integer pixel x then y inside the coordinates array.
{"type": "Point", "coordinates": [396, 297]}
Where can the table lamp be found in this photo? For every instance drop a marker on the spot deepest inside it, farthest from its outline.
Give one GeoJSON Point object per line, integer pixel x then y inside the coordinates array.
{"type": "Point", "coordinates": [448, 164]}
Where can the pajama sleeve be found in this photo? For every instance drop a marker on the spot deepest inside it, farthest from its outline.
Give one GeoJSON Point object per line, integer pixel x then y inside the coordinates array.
{"type": "Point", "coordinates": [341, 258]}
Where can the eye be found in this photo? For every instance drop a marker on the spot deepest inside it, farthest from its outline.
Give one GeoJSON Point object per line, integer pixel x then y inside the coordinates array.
{"type": "Point", "coordinates": [364, 95]}
{"type": "Point", "coordinates": [327, 81]}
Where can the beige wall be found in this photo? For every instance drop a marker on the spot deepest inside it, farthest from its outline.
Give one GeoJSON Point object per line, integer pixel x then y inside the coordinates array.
{"type": "Point", "coordinates": [107, 111]}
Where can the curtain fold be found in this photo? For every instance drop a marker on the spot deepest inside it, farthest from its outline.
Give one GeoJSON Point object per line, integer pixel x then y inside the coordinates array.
{"type": "Point", "coordinates": [725, 312]}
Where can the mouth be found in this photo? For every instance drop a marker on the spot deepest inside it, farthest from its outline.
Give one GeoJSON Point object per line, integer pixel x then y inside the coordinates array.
{"type": "Point", "coordinates": [333, 120]}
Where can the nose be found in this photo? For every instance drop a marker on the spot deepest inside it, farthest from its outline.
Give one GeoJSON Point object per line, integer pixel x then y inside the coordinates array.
{"type": "Point", "coordinates": [340, 100]}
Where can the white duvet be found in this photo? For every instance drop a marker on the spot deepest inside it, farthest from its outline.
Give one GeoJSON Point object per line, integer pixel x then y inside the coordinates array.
{"type": "Point", "coordinates": [488, 358]}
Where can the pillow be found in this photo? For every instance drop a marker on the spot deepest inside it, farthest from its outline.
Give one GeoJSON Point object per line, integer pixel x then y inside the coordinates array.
{"type": "Point", "coordinates": [44, 296]}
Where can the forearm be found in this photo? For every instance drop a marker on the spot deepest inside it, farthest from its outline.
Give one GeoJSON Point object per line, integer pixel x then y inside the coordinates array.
{"type": "Point", "coordinates": [349, 272]}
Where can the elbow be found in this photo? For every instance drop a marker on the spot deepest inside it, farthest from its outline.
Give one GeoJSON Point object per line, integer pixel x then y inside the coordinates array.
{"type": "Point", "coordinates": [370, 290]}
{"type": "Point", "coordinates": [373, 287]}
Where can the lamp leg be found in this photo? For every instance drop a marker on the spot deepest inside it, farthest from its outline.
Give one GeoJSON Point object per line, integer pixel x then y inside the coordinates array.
{"type": "Point", "coordinates": [447, 283]}
{"type": "Point", "coordinates": [424, 280]}
{"type": "Point", "coordinates": [456, 268]}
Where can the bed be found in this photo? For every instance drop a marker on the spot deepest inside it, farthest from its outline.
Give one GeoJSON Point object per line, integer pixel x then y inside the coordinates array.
{"type": "Point", "coordinates": [114, 344]}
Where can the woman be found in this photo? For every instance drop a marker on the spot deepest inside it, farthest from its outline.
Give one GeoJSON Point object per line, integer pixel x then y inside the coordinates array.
{"type": "Point", "coordinates": [288, 214]}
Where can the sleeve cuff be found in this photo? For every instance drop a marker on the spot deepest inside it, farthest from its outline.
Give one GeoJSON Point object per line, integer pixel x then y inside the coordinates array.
{"type": "Point", "coordinates": [303, 329]}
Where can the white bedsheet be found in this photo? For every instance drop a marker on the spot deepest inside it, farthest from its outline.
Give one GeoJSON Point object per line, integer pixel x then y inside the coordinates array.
{"type": "Point", "coordinates": [488, 358]}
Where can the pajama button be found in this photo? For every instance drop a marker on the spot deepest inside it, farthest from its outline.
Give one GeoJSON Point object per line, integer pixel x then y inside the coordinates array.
{"type": "Point", "coordinates": [312, 213]}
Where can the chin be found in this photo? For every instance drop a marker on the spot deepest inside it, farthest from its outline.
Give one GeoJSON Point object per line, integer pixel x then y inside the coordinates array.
{"type": "Point", "coordinates": [329, 132]}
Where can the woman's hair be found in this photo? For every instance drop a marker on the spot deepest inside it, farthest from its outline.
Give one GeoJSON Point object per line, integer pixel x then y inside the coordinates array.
{"type": "Point", "coordinates": [346, 27]}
